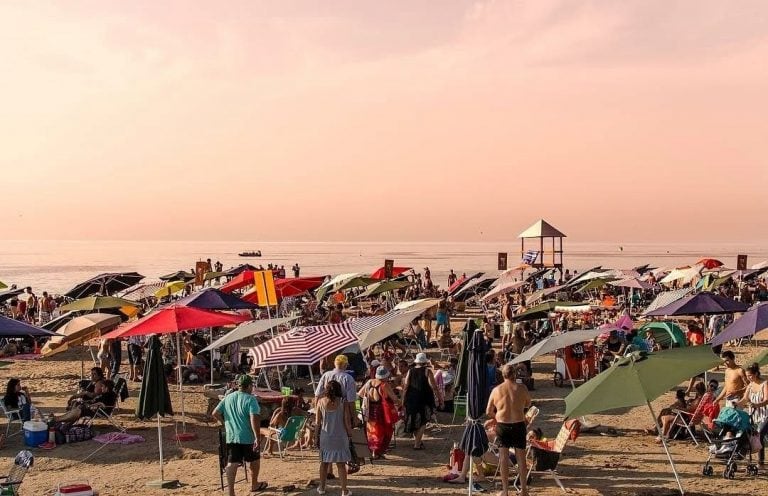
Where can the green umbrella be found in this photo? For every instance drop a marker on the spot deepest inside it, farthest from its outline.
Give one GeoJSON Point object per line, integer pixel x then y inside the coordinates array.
{"type": "Point", "coordinates": [154, 398]}
{"type": "Point", "coordinates": [3, 285]}
{"type": "Point", "coordinates": [596, 284]}
{"type": "Point", "coordinates": [666, 334]}
{"type": "Point", "coordinates": [92, 303]}
{"type": "Point", "coordinates": [179, 275]}
{"type": "Point", "coordinates": [762, 358]}
{"type": "Point", "coordinates": [384, 287]}
{"type": "Point", "coordinates": [638, 379]}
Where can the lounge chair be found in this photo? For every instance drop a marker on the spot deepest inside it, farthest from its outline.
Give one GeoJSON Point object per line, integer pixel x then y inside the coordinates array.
{"type": "Point", "coordinates": [543, 457]}
{"type": "Point", "coordinates": [9, 484]}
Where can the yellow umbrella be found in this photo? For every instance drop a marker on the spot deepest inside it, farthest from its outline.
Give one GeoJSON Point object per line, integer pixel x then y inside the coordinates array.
{"type": "Point", "coordinates": [3, 285]}
{"type": "Point", "coordinates": [79, 330]}
{"type": "Point", "coordinates": [170, 288]}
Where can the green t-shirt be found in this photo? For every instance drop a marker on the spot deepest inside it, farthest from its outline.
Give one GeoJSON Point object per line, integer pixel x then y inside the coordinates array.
{"type": "Point", "coordinates": [237, 408]}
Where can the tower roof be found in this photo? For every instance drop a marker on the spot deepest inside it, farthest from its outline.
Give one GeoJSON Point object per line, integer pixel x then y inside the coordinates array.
{"type": "Point", "coordinates": [541, 229]}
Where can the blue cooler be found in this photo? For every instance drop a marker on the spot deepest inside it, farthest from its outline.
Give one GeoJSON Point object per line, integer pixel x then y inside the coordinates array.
{"type": "Point", "coordinates": [35, 433]}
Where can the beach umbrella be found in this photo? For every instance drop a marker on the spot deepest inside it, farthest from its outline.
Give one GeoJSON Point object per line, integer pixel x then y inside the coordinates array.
{"type": "Point", "coordinates": [170, 288]}
{"type": "Point", "coordinates": [633, 283]}
{"type": "Point", "coordinates": [9, 294]}
{"type": "Point", "coordinates": [596, 283]}
{"type": "Point", "coordinates": [11, 328]}
{"type": "Point", "coordinates": [752, 322]}
{"type": "Point", "coordinates": [462, 281]}
{"type": "Point", "coordinates": [297, 285]}
{"type": "Point", "coordinates": [638, 379]}
{"type": "Point", "coordinates": [556, 342]}
{"type": "Point", "coordinates": [303, 345]}
{"type": "Point", "coordinates": [700, 304]}
{"type": "Point", "coordinates": [142, 291]}
{"type": "Point", "coordinates": [105, 284]}
{"type": "Point", "coordinates": [214, 299]}
{"type": "Point", "coordinates": [241, 280]}
{"type": "Point", "coordinates": [79, 330]}
{"type": "Point", "coordinates": [374, 329]}
{"type": "Point", "coordinates": [378, 288]}
{"type": "Point", "coordinates": [3, 285]}
{"type": "Point", "coordinates": [474, 440]}
{"type": "Point", "coordinates": [666, 334]}
{"type": "Point", "coordinates": [154, 397]}
{"type": "Point", "coordinates": [709, 263]}
{"type": "Point", "coordinates": [762, 358]}
{"type": "Point", "coordinates": [342, 282]}
{"type": "Point", "coordinates": [240, 269]}
{"type": "Point", "coordinates": [761, 265]}
{"type": "Point", "coordinates": [380, 273]}
{"type": "Point", "coordinates": [501, 289]}
{"type": "Point", "coordinates": [543, 310]}
{"type": "Point", "coordinates": [248, 329]}
{"type": "Point", "coordinates": [179, 275]}
{"type": "Point", "coordinates": [666, 297]}
{"type": "Point", "coordinates": [97, 302]}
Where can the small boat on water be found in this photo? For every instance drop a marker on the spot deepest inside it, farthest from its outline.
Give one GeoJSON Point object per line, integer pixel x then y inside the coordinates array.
{"type": "Point", "coordinates": [256, 253]}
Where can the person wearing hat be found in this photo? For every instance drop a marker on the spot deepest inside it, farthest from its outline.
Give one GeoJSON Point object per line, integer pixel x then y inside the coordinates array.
{"type": "Point", "coordinates": [239, 412]}
{"type": "Point", "coordinates": [420, 398]}
{"type": "Point", "coordinates": [380, 410]}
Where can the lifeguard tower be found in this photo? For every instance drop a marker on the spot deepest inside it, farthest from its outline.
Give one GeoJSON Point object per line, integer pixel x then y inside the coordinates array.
{"type": "Point", "coordinates": [537, 254]}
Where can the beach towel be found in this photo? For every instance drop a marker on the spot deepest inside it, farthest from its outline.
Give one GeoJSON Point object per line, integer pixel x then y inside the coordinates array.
{"type": "Point", "coordinates": [118, 438]}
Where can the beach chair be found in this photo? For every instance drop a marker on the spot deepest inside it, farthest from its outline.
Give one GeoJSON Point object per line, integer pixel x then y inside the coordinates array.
{"type": "Point", "coordinates": [459, 406]}
{"type": "Point", "coordinates": [291, 433]}
{"type": "Point", "coordinates": [543, 457]}
{"type": "Point", "coordinates": [12, 415]}
{"type": "Point", "coordinates": [685, 423]}
{"type": "Point", "coordinates": [9, 484]}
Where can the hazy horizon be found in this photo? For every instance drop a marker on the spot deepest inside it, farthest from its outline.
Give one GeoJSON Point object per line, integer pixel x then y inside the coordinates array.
{"type": "Point", "coordinates": [351, 120]}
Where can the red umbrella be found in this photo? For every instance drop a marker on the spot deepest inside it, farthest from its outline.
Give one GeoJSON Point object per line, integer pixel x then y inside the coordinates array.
{"type": "Point", "coordinates": [396, 271]}
{"type": "Point", "coordinates": [175, 318]}
{"type": "Point", "coordinates": [710, 263]}
{"type": "Point", "coordinates": [243, 279]}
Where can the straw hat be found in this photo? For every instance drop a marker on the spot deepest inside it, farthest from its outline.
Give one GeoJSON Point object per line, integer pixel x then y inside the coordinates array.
{"type": "Point", "coordinates": [421, 359]}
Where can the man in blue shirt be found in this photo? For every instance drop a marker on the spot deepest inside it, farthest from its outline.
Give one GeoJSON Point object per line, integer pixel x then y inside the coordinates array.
{"type": "Point", "coordinates": [239, 413]}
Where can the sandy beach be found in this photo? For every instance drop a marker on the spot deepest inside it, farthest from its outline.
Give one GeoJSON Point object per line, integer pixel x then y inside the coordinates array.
{"type": "Point", "coordinates": [630, 463]}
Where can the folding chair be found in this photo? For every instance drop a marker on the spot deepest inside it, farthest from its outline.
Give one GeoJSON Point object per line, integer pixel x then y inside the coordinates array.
{"type": "Point", "coordinates": [9, 484]}
{"type": "Point", "coordinates": [687, 422]}
{"type": "Point", "coordinates": [291, 433]}
{"type": "Point", "coordinates": [459, 402]}
{"type": "Point", "coordinates": [544, 457]}
{"type": "Point", "coordinates": [12, 416]}
{"type": "Point", "coordinates": [108, 413]}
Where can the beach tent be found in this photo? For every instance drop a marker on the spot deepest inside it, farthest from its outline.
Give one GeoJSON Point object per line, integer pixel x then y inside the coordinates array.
{"type": "Point", "coordinates": [749, 324]}
{"type": "Point", "coordinates": [638, 379]}
{"type": "Point", "coordinates": [396, 271]}
{"type": "Point", "coordinates": [11, 328]}
{"type": "Point", "coordinates": [700, 304]}
{"type": "Point", "coordinates": [105, 284]}
{"type": "Point", "coordinates": [666, 334]}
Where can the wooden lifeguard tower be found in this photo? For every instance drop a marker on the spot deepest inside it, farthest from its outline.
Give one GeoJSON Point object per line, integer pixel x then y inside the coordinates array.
{"type": "Point", "coordinates": [544, 232]}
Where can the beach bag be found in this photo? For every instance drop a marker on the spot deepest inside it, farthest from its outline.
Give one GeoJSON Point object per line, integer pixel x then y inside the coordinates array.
{"type": "Point", "coordinates": [78, 433]}
{"type": "Point", "coordinates": [353, 465]}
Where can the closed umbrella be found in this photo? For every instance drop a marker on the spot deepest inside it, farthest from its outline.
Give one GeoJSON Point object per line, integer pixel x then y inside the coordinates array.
{"type": "Point", "coordinates": [461, 383]}
{"type": "Point", "coordinates": [154, 398]}
{"type": "Point", "coordinates": [752, 322]}
{"type": "Point", "coordinates": [97, 302]}
{"type": "Point", "coordinates": [474, 441]}
{"type": "Point", "coordinates": [105, 284]}
{"type": "Point", "coordinates": [638, 379]}
{"type": "Point", "coordinates": [700, 304]}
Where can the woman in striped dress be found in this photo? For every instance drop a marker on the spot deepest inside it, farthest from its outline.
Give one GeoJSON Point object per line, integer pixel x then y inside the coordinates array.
{"type": "Point", "coordinates": [756, 397]}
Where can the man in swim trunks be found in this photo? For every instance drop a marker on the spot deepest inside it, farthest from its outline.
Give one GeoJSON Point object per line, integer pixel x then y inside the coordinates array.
{"type": "Point", "coordinates": [735, 379]}
{"type": "Point", "coordinates": [506, 408]}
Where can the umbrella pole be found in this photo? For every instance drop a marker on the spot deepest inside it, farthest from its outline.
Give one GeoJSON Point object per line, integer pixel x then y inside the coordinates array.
{"type": "Point", "coordinates": [666, 448]}
{"type": "Point", "coordinates": [160, 444]}
{"type": "Point", "coordinates": [212, 357]}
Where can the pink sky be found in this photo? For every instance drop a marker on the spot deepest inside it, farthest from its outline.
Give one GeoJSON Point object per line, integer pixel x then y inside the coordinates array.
{"type": "Point", "coordinates": [370, 120]}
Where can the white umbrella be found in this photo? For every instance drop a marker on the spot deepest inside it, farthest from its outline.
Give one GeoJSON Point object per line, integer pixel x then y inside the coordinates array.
{"type": "Point", "coordinates": [556, 342]}
{"type": "Point", "coordinates": [248, 329]}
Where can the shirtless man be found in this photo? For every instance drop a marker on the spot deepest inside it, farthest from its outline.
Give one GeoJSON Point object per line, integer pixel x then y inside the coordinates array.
{"type": "Point", "coordinates": [735, 379]}
{"type": "Point", "coordinates": [506, 314]}
{"type": "Point", "coordinates": [506, 407]}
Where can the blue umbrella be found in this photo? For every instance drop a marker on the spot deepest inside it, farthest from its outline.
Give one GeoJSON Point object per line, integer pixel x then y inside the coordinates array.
{"type": "Point", "coordinates": [10, 328]}
{"type": "Point", "coordinates": [474, 441]}
{"type": "Point", "coordinates": [214, 299]}
{"type": "Point", "coordinates": [752, 322]}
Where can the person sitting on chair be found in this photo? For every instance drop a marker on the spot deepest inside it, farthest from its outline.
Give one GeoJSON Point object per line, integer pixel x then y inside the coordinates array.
{"type": "Point", "coordinates": [87, 389]}
{"type": "Point", "coordinates": [105, 398]}
{"type": "Point", "coordinates": [17, 398]}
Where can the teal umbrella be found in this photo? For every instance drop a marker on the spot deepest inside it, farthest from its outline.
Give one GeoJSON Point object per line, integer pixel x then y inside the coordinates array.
{"type": "Point", "coordinates": [154, 398]}
{"type": "Point", "coordinates": [638, 379]}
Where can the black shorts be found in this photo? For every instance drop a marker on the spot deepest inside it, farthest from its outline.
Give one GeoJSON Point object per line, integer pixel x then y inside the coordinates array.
{"type": "Point", "coordinates": [239, 453]}
{"type": "Point", "coordinates": [134, 353]}
{"type": "Point", "coordinates": [511, 435]}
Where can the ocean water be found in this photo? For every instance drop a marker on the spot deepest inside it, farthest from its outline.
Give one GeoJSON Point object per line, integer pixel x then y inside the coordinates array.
{"type": "Point", "coordinates": [56, 266]}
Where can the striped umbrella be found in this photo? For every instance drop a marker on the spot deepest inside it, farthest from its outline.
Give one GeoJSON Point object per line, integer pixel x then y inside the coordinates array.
{"type": "Point", "coordinates": [303, 345]}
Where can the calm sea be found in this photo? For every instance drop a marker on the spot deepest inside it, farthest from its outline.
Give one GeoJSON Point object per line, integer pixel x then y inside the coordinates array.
{"type": "Point", "coordinates": [57, 265]}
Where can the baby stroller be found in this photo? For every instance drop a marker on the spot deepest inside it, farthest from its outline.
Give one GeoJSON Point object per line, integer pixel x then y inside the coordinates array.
{"type": "Point", "coordinates": [732, 444]}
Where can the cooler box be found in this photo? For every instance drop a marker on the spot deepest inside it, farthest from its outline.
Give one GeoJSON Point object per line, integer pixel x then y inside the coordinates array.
{"type": "Point", "coordinates": [35, 433]}
{"type": "Point", "coordinates": [75, 489]}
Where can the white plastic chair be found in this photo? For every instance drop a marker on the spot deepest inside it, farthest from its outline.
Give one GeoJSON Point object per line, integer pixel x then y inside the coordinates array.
{"type": "Point", "coordinates": [12, 415]}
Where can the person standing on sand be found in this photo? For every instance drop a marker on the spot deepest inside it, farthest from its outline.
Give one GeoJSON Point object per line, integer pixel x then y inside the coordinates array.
{"type": "Point", "coordinates": [451, 278]}
{"type": "Point", "coordinates": [239, 412]}
{"type": "Point", "coordinates": [506, 409]}
{"type": "Point", "coordinates": [735, 379]}
{"type": "Point", "coordinates": [333, 429]}
{"type": "Point", "coordinates": [420, 398]}
{"type": "Point", "coordinates": [506, 314]}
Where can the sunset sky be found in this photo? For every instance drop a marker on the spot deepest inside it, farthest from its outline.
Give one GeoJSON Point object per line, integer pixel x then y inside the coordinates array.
{"type": "Point", "coordinates": [384, 120]}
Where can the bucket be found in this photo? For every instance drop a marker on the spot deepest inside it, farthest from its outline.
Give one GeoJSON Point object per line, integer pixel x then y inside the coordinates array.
{"type": "Point", "coordinates": [35, 433]}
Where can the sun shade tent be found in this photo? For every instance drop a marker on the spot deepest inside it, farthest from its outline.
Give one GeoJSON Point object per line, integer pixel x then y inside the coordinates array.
{"type": "Point", "coordinates": [248, 329]}
{"type": "Point", "coordinates": [106, 284]}
{"type": "Point", "coordinates": [700, 304]}
{"type": "Point", "coordinates": [666, 334]}
{"type": "Point", "coordinates": [11, 328]}
{"type": "Point", "coordinates": [638, 379]}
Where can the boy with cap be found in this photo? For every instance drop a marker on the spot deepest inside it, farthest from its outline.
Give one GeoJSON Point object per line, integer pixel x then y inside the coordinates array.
{"type": "Point", "coordinates": [239, 413]}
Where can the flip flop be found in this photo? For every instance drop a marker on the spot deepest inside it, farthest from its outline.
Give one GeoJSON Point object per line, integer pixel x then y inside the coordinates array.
{"type": "Point", "coordinates": [260, 487]}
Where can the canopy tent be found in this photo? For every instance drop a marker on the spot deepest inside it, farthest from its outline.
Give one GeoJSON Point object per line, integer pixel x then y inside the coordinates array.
{"type": "Point", "coordinates": [378, 288]}
{"type": "Point", "coordinates": [214, 299]}
{"type": "Point", "coordinates": [380, 273]}
{"type": "Point", "coordinates": [97, 302]}
{"type": "Point", "coordinates": [106, 284]}
{"type": "Point", "coordinates": [699, 304]}
{"type": "Point", "coordinates": [666, 334]}
{"type": "Point", "coordinates": [667, 297]}
{"type": "Point", "coordinates": [556, 342]}
{"type": "Point", "coordinates": [502, 289]}
{"type": "Point", "coordinates": [11, 328]}
{"type": "Point", "coordinates": [248, 329]}
{"type": "Point", "coordinates": [637, 380]}
{"type": "Point", "coordinates": [79, 330]}
{"type": "Point", "coordinates": [749, 324]}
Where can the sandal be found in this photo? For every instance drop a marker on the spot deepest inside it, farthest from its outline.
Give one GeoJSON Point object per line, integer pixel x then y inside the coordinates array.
{"type": "Point", "coordinates": [259, 487]}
